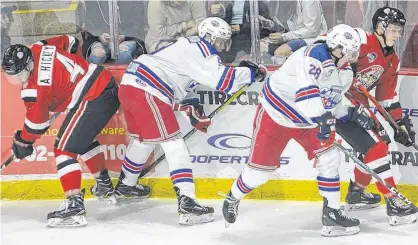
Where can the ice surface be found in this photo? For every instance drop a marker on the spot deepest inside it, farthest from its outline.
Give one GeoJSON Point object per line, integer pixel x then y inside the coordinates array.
{"type": "Point", "coordinates": [155, 221]}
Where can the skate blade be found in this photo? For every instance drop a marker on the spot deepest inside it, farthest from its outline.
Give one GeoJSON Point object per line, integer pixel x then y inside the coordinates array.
{"type": "Point", "coordinates": [360, 206]}
{"type": "Point", "coordinates": [227, 224]}
{"type": "Point", "coordinates": [121, 199]}
{"type": "Point", "coordinates": [109, 199]}
{"type": "Point", "coordinates": [75, 221]}
{"type": "Point", "coordinates": [192, 219]}
{"type": "Point", "coordinates": [333, 231]}
{"type": "Point", "coordinates": [402, 220]}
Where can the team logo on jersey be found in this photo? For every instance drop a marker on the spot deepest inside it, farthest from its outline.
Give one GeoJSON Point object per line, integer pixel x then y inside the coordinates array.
{"type": "Point", "coordinates": [46, 65]}
{"type": "Point", "coordinates": [191, 86]}
{"type": "Point", "coordinates": [140, 82]}
{"type": "Point", "coordinates": [370, 75]}
{"type": "Point", "coordinates": [331, 96]}
{"type": "Point", "coordinates": [371, 57]}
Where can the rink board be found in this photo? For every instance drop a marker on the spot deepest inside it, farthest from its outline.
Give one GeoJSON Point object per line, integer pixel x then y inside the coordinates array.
{"type": "Point", "coordinates": [217, 157]}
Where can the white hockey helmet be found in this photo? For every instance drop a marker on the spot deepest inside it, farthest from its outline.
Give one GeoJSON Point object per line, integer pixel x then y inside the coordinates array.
{"type": "Point", "coordinates": [216, 31]}
{"type": "Point", "coordinates": [344, 37]}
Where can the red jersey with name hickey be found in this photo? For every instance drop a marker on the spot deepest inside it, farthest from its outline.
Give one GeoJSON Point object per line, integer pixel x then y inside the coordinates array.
{"type": "Point", "coordinates": [59, 81]}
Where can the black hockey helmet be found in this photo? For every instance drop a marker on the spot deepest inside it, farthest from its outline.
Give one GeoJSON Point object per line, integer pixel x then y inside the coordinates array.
{"type": "Point", "coordinates": [16, 58]}
{"type": "Point", "coordinates": [388, 15]}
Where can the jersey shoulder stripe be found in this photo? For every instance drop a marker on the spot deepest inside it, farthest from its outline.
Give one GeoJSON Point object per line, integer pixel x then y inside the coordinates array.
{"type": "Point", "coordinates": [320, 52]}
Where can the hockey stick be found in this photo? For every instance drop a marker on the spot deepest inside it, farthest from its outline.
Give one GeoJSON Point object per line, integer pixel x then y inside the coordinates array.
{"type": "Point", "coordinates": [372, 173]}
{"type": "Point", "coordinates": [12, 157]}
{"type": "Point", "coordinates": [382, 110]}
{"type": "Point", "coordinates": [191, 132]}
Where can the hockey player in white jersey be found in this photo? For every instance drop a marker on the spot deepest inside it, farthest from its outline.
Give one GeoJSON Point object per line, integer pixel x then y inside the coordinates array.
{"type": "Point", "coordinates": [154, 86]}
{"type": "Point", "coordinates": [301, 101]}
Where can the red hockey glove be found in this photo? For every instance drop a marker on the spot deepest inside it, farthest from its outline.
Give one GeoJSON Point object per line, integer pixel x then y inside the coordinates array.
{"type": "Point", "coordinates": [194, 110]}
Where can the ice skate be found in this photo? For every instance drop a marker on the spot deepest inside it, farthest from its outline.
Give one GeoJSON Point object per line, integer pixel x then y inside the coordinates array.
{"type": "Point", "coordinates": [399, 212]}
{"type": "Point", "coordinates": [191, 212]}
{"type": "Point", "coordinates": [135, 192]}
{"type": "Point", "coordinates": [70, 214]}
{"type": "Point", "coordinates": [103, 189]}
{"type": "Point", "coordinates": [230, 209]}
{"type": "Point", "coordinates": [335, 223]}
{"type": "Point", "coordinates": [359, 199]}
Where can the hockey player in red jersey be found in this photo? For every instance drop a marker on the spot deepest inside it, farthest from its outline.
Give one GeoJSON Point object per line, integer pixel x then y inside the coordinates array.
{"type": "Point", "coordinates": [64, 42]}
{"type": "Point", "coordinates": [377, 68]}
{"type": "Point", "coordinates": [54, 80]}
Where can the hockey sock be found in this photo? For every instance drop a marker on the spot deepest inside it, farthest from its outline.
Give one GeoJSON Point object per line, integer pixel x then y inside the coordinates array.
{"type": "Point", "coordinates": [135, 158]}
{"type": "Point", "coordinates": [377, 159]}
{"type": "Point", "coordinates": [94, 158]}
{"type": "Point", "coordinates": [329, 187]}
{"type": "Point", "coordinates": [180, 166]}
{"type": "Point", "coordinates": [248, 180]}
{"type": "Point", "coordinates": [68, 169]}
{"type": "Point", "coordinates": [328, 176]}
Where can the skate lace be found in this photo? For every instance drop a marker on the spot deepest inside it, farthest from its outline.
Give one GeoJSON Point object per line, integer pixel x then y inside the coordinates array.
{"type": "Point", "coordinates": [399, 203]}
{"type": "Point", "coordinates": [343, 216]}
{"type": "Point", "coordinates": [368, 194]}
{"type": "Point", "coordinates": [232, 204]}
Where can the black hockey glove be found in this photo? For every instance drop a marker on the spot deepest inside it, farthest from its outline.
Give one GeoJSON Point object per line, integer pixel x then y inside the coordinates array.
{"type": "Point", "coordinates": [20, 147]}
{"type": "Point", "coordinates": [325, 123]}
{"type": "Point", "coordinates": [361, 115]}
{"type": "Point", "coordinates": [194, 110]}
{"type": "Point", "coordinates": [260, 70]}
{"type": "Point", "coordinates": [405, 136]}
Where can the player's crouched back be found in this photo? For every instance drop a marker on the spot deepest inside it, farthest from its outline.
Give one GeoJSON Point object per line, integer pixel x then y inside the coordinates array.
{"type": "Point", "coordinates": [155, 85]}
{"type": "Point", "coordinates": [53, 79]}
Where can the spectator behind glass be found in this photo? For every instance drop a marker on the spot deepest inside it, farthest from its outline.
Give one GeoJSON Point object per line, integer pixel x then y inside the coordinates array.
{"type": "Point", "coordinates": [6, 22]}
{"type": "Point", "coordinates": [302, 21]}
{"type": "Point", "coordinates": [96, 37]}
{"type": "Point", "coordinates": [238, 16]}
{"type": "Point", "coordinates": [216, 8]}
{"type": "Point", "coordinates": [169, 20]}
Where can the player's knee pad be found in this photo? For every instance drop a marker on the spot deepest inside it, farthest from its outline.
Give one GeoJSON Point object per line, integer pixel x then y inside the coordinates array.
{"type": "Point", "coordinates": [377, 159]}
{"type": "Point", "coordinates": [66, 162]}
{"type": "Point", "coordinates": [328, 163]}
{"type": "Point", "coordinates": [255, 177]}
{"type": "Point", "coordinates": [177, 154]}
{"type": "Point", "coordinates": [138, 152]}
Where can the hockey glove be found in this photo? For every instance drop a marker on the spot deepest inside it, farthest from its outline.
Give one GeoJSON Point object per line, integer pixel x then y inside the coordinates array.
{"type": "Point", "coordinates": [361, 115]}
{"type": "Point", "coordinates": [325, 122]}
{"type": "Point", "coordinates": [260, 70]}
{"type": "Point", "coordinates": [405, 136]}
{"type": "Point", "coordinates": [20, 147]}
{"type": "Point", "coordinates": [194, 110]}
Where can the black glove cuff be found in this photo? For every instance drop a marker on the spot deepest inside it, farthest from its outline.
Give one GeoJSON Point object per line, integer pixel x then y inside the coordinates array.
{"type": "Point", "coordinates": [19, 138]}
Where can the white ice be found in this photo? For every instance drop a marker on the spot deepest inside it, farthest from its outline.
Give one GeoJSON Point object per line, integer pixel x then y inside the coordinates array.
{"type": "Point", "coordinates": [155, 221]}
